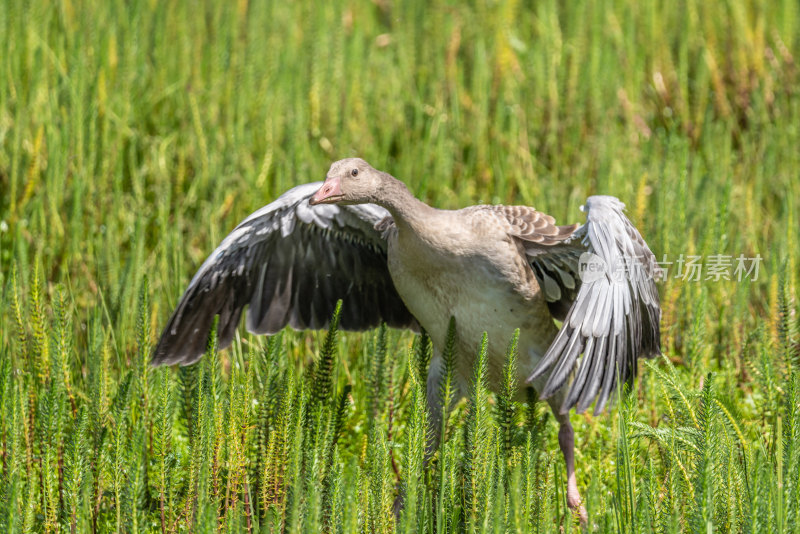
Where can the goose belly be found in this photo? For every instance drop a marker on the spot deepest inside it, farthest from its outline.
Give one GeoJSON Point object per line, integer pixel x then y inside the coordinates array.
{"type": "Point", "coordinates": [481, 300]}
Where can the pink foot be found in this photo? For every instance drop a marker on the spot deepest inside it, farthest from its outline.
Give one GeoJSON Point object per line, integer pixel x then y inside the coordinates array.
{"type": "Point", "coordinates": [574, 503]}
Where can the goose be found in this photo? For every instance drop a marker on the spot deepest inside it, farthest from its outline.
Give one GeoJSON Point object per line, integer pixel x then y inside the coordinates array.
{"type": "Point", "coordinates": [361, 237]}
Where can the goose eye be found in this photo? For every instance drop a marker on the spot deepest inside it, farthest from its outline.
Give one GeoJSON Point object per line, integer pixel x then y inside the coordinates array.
{"type": "Point", "coordinates": [354, 172]}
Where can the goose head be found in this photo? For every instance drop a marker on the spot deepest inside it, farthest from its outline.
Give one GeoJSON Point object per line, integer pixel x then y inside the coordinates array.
{"type": "Point", "coordinates": [349, 181]}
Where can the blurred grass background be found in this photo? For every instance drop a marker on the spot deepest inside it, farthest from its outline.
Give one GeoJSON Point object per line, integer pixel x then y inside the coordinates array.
{"type": "Point", "coordinates": [134, 136]}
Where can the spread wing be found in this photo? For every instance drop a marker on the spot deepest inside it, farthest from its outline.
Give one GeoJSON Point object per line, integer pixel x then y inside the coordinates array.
{"type": "Point", "coordinates": [289, 262]}
{"type": "Point", "coordinates": [608, 271]}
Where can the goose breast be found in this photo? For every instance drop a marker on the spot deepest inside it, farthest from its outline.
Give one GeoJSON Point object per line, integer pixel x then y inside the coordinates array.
{"type": "Point", "coordinates": [463, 267]}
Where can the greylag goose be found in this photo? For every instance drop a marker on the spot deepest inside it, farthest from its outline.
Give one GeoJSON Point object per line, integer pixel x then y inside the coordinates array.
{"type": "Point", "coordinates": [362, 237]}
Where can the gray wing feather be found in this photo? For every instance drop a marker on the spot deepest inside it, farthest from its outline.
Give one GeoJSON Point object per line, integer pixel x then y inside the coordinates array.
{"type": "Point", "coordinates": [556, 272]}
{"type": "Point", "coordinates": [615, 314]}
{"type": "Point", "coordinates": [289, 263]}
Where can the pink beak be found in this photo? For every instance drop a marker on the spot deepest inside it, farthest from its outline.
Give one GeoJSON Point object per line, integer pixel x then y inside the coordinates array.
{"type": "Point", "coordinates": [330, 192]}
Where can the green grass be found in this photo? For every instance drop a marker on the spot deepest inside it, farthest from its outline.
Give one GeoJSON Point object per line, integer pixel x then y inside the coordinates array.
{"type": "Point", "coordinates": [133, 137]}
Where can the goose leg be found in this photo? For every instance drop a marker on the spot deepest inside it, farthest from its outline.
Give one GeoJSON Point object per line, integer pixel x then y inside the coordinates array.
{"type": "Point", "coordinates": [434, 397]}
{"type": "Point", "coordinates": [435, 371]}
{"type": "Point", "coordinates": [566, 441]}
